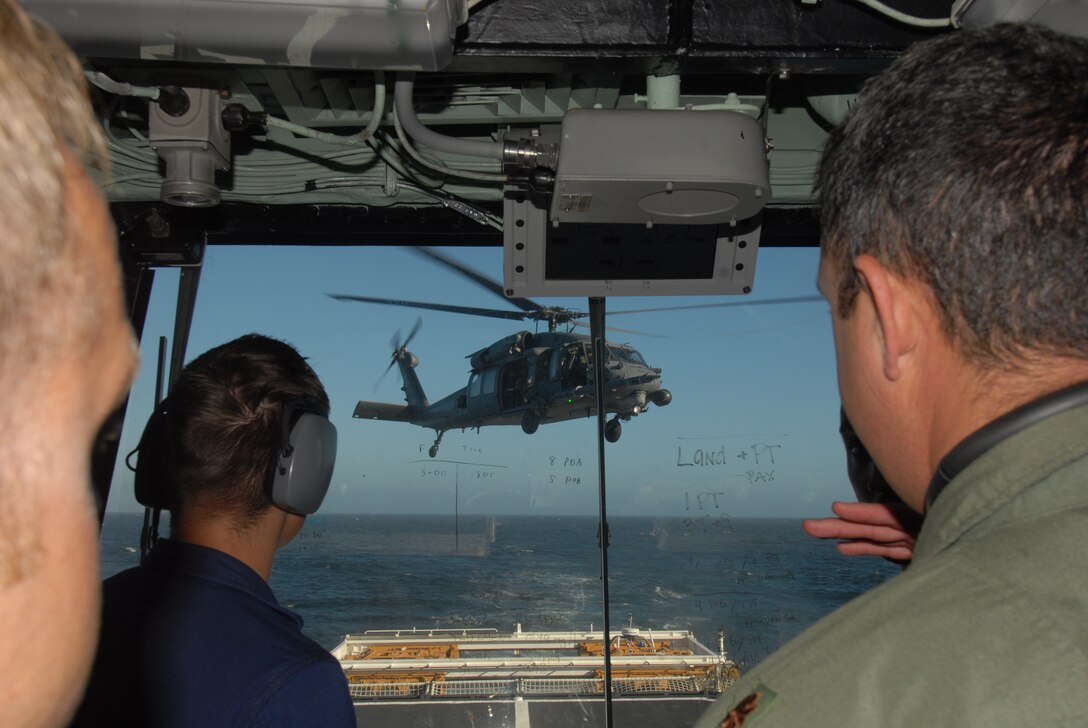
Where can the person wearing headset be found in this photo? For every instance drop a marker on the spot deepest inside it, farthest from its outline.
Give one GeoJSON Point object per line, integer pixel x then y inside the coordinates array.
{"type": "Point", "coordinates": [954, 256]}
{"type": "Point", "coordinates": [879, 523]}
{"type": "Point", "coordinates": [239, 453]}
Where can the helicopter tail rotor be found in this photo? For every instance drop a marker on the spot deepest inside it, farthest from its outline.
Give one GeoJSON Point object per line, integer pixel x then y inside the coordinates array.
{"type": "Point", "coordinates": [399, 346]}
{"type": "Point", "coordinates": [400, 350]}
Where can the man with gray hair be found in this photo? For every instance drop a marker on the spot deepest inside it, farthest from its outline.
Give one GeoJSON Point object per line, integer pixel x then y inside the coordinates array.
{"type": "Point", "coordinates": [954, 256]}
{"type": "Point", "coordinates": [66, 360]}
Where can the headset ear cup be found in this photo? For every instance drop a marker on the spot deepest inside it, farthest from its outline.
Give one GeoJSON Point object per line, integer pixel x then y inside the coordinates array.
{"type": "Point", "coordinates": [300, 478]}
{"type": "Point", "coordinates": [151, 487]}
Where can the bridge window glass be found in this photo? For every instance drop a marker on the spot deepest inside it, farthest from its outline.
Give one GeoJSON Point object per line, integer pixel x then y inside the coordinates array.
{"type": "Point", "coordinates": [499, 530]}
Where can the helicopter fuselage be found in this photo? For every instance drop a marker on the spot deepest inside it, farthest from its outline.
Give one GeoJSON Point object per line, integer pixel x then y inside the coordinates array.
{"type": "Point", "coordinates": [528, 379]}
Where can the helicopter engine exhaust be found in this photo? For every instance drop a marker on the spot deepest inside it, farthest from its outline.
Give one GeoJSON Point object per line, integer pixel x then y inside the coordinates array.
{"type": "Point", "coordinates": [506, 347]}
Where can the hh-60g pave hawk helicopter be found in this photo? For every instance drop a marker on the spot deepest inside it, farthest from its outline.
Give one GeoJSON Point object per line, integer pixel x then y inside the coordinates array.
{"type": "Point", "coordinates": [526, 378]}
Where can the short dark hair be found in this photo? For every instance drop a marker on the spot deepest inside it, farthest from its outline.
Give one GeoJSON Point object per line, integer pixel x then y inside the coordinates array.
{"type": "Point", "coordinates": [965, 165]}
{"type": "Point", "coordinates": [226, 414]}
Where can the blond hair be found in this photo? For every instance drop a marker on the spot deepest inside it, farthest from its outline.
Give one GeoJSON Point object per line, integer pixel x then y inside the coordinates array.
{"type": "Point", "coordinates": [46, 115]}
{"type": "Point", "coordinates": [49, 303]}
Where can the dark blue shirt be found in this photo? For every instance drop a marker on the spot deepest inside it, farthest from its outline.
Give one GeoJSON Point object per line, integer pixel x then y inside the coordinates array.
{"type": "Point", "coordinates": [195, 637]}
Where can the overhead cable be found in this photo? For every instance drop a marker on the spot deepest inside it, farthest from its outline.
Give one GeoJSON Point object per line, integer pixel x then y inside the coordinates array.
{"type": "Point", "coordinates": [905, 18]}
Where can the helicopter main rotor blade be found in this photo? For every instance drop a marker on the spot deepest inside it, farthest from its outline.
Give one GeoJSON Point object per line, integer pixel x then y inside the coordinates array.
{"type": "Point", "coordinates": [625, 331]}
{"type": "Point", "coordinates": [491, 312]}
{"type": "Point", "coordinates": [765, 301]}
{"type": "Point", "coordinates": [479, 278]}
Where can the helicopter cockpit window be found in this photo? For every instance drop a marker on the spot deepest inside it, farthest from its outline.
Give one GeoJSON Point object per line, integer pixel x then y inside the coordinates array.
{"type": "Point", "coordinates": [625, 355]}
{"type": "Point", "coordinates": [496, 532]}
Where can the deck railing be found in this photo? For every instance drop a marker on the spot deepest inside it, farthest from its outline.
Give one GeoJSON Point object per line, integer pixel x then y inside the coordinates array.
{"type": "Point", "coordinates": [677, 685]}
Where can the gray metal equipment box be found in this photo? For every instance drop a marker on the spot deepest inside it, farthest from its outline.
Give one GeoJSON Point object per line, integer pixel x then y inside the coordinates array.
{"type": "Point", "coordinates": [646, 203]}
{"type": "Point", "coordinates": [681, 167]}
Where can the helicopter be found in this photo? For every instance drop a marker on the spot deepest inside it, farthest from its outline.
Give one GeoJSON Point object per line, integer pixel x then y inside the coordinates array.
{"type": "Point", "coordinates": [526, 378]}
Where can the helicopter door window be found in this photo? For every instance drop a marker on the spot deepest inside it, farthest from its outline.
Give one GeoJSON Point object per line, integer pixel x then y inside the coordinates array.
{"type": "Point", "coordinates": [488, 384]}
{"type": "Point", "coordinates": [474, 385]}
{"type": "Point", "coordinates": [575, 366]}
{"type": "Point", "coordinates": [543, 365]}
{"type": "Point", "coordinates": [515, 383]}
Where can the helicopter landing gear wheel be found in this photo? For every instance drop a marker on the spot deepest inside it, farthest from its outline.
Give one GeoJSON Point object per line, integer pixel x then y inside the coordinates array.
{"type": "Point", "coordinates": [433, 451]}
{"type": "Point", "coordinates": [529, 423]}
{"type": "Point", "coordinates": [613, 429]}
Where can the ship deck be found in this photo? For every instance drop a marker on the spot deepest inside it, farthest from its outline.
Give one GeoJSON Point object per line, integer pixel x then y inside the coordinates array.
{"type": "Point", "coordinates": [526, 674]}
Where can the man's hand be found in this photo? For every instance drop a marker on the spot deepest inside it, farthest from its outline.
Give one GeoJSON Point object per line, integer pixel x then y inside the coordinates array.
{"type": "Point", "coordinates": [869, 529]}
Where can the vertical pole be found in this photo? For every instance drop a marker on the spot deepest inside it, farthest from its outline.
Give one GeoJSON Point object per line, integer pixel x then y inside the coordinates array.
{"type": "Point", "coordinates": [150, 532]}
{"type": "Point", "coordinates": [457, 507]}
{"type": "Point", "coordinates": [104, 457]}
{"type": "Point", "coordinates": [188, 283]}
{"type": "Point", "coordinates": [596, 328]}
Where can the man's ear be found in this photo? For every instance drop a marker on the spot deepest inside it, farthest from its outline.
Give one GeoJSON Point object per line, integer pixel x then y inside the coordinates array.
{"type": "Point", "coordinates": [894, 310]}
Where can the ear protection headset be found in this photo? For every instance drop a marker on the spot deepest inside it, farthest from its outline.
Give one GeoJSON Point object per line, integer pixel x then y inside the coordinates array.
{"type": "Point", "coordinates": [869, 483]}
{"type": "Point", "coordinates": [154, 451]}
{"type": "Point", "coordinates": [299, 474]}
{"type": "Point", "coordinates": [302, 468]}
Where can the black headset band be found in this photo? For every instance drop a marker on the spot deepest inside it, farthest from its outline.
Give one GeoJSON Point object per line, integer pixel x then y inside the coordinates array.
{"type": "Point", "coordinates": [1005, 426]}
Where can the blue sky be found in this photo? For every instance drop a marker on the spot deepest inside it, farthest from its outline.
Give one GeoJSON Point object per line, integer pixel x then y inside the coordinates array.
{"type": "Point", "coordinates": [754, 389]}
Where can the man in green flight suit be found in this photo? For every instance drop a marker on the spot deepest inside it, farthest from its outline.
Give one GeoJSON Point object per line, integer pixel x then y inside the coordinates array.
{"type": "Point", "coordinates": [955, 259]}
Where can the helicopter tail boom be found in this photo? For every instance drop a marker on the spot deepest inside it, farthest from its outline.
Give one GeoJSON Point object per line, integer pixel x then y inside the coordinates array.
{"type": "Point", "coordinates": [413, 390]}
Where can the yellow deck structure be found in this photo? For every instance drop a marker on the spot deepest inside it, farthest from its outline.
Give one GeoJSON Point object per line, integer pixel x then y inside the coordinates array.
{"type": "Point", "coordinates": [478, 663]}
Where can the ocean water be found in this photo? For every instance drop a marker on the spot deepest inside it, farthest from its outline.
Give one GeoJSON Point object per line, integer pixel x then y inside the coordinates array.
{"type": "Point", "coordinates": [759, 581]}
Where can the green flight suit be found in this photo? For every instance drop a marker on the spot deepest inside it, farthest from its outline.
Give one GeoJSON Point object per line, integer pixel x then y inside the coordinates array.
{"type": "Point", "coordinates": [988, 626]}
